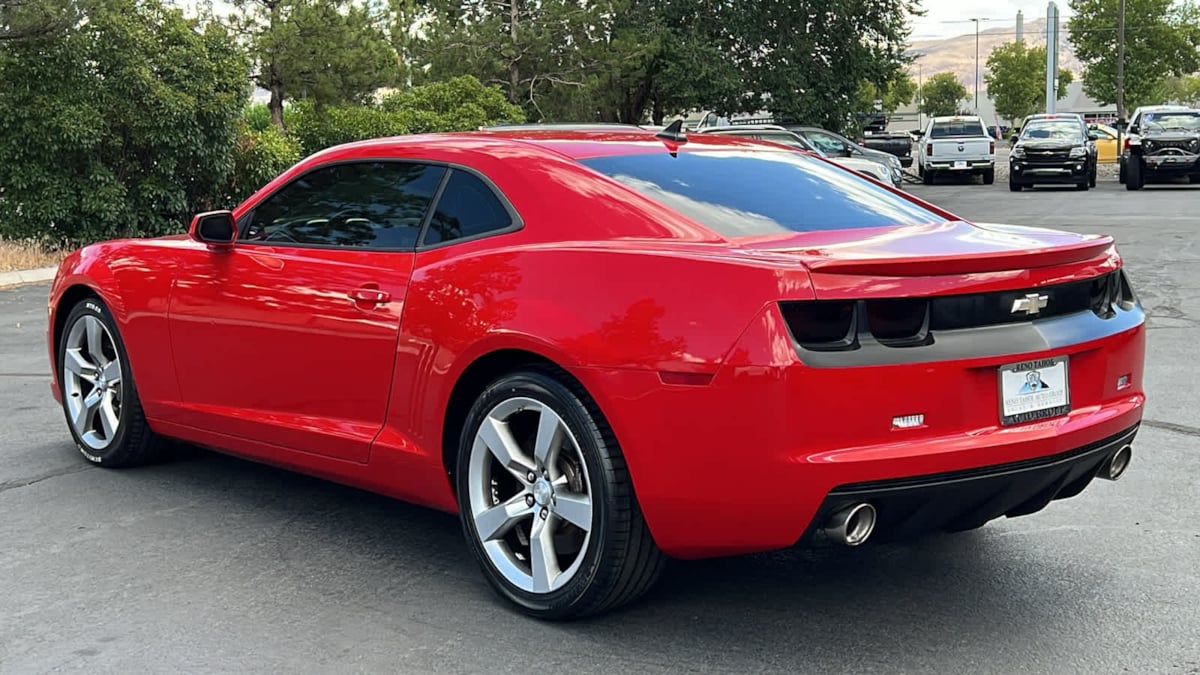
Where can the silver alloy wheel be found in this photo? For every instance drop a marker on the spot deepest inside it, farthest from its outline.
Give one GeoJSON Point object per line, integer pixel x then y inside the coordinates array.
{"type": "Point", "coordinates": [91, 377]}
{"type": "Point", "coordinates": [530, 496]}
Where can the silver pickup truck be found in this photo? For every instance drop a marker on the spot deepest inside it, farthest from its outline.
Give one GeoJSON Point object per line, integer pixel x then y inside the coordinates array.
{"type": "Point", "coordinates": [957, 145]}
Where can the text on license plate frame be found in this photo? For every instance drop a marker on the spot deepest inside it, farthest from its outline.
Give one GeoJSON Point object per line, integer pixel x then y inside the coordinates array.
{"type": "Point", "coordinates": [1057, 381]}
{"type": "Point", "coordinates": [960, 164]}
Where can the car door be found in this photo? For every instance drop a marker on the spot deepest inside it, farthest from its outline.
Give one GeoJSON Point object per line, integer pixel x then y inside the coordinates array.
{"type": "Point", "coordinates": [289, 338]}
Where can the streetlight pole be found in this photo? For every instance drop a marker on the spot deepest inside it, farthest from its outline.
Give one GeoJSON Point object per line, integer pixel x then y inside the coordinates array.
{"type": "Point", "coordinates": [976, 21]}
{"type": "Point", "coordinates": [1121, 60]}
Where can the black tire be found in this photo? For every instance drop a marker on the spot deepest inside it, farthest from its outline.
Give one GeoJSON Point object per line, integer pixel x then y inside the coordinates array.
{"type": "Point", "coordinates": [1121, 173]}
{"type": "Point", "coordinates": [133, 443]}
{"type": "Point", "coordinates": [1014, 186]}
{"type": "Point", "coordinates": [927, 177]}
{"type": "Point", "coordinates": [989, 176]}
{"type": "Point", "coordinates": [1092, 178]}
{"type": "Point", "coordinates": [1082, 186]}
{"type": "Point", "coordinates": [1134, 180]}
{"type": "Point", "coordinates": [621, 561]}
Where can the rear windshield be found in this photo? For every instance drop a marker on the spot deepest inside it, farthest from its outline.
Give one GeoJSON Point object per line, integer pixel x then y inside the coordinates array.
{"type": "Point", "coordinates": [747, 193]}
{"type": "Point", "coordinates": [957, 129]}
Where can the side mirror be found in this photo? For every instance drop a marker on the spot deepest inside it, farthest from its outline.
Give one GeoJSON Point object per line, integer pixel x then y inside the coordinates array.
{"type": "Point", "coordinates": [215, 228]}
{"type": "Point", "coordinates": [1013, 139]}
{"type": "Point", "coordinates": [848, 150]}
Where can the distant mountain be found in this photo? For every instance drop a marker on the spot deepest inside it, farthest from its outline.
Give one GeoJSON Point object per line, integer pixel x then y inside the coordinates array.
{"type": "Point", "coordinates": [957, 54]}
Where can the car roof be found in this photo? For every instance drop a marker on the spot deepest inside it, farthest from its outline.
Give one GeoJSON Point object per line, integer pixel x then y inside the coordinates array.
{"type": "Point", "coordinates": [538, 140]}
{"type": "Point", "coordinates": [952, 118]}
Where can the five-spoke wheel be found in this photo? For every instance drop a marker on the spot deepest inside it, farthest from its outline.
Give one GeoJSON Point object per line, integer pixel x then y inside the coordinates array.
{"type": "Point", "coordinates": [546, 500]}
{"type": "Point", "coordinates": [98, 397]}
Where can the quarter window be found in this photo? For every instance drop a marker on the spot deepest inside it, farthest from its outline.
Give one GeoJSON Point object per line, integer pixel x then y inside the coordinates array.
{"type": "Point", "coordinates": [466, 208]}
{"type": "Point", "coordinates": [361, 205]}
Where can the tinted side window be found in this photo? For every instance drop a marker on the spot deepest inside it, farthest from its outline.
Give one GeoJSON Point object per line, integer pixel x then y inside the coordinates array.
{"type": "Point", "coordinates": [826, 143]}
{"type": "Point", "coordinates": [467, 207]}
{"type": "Point", "coordinates": [371, 205]}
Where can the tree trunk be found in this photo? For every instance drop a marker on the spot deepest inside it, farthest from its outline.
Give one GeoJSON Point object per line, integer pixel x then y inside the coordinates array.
{"type": "Point", "coordinates": [514, 68]}
{"type": "Point", "coordinates": [657, 113]}
{"type": "Point", "coordinates": [275, 105]}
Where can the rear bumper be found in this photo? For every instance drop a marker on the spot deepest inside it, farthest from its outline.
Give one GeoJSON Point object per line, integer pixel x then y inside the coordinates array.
{"type": "Point", "coordinates": [971, 165]}
{"type": "Point", "coordinates": [962, 500]}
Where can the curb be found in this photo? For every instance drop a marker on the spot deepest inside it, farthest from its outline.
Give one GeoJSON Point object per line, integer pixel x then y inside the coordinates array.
{"type": "Point", "coordinates": [27, 276]}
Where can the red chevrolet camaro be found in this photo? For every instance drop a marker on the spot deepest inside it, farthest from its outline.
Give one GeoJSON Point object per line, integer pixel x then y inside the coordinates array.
{"type": "Point", "coordinates": [603, 347]}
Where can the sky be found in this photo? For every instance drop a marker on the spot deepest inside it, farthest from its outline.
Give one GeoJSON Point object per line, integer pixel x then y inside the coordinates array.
{"type": "Point", "coordinates": [947, 18]}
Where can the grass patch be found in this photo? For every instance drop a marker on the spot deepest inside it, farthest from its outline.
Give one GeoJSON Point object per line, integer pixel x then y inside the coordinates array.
{"type": "Point", "coordinates": [27, 255]}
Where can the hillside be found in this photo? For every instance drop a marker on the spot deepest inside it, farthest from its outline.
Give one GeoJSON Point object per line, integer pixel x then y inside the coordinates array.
{"type": "Point", "coordinates": [957, 54]}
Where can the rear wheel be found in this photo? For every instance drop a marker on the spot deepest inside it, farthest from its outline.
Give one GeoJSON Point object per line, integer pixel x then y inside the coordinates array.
{"type": "Point", "coordinates": [546, 501]}
{"type": "Point", "coordinates": [1134, 180]}
{"type": "Point", "coordinates": [1121, 172]}
{"type": "Point", "coordinates": [100, 400]}
{"type": "Point", "coordinates": [989, 176]}
{"type": "Point", "coordinates": [927, 177]}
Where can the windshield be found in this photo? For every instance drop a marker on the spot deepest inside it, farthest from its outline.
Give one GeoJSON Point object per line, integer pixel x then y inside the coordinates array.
{"type": "Point", "coordinates": [1053, 130]}
{"type": "Point", "coordinates": [964, 128]}
{"type": "Point", "coordinates": [748, 193]}
{"type": "Point", "coordinates": [1172, 121]}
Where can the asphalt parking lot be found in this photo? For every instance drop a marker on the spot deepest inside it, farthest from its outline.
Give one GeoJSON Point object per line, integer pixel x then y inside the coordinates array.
{"type": "Point", "coordinates": [211, 564]}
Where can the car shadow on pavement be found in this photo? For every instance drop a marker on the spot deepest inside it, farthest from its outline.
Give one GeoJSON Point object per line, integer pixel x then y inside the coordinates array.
{"type": "Point", "coordinates": [930, 594]}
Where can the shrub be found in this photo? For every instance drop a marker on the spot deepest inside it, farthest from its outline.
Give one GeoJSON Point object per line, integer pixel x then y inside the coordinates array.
{"type": "Point", "coordinates": [261, 155]}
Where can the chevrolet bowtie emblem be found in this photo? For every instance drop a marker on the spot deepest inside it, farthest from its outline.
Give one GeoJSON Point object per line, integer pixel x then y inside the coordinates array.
{"type": "Point", "coordinates": [1030, 304]}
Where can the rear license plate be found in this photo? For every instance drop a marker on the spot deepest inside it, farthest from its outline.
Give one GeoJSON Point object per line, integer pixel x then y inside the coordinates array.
{"type": "Point", "coordinates": [1034, 390]}
{"type": "Point", "coordinates": [960, 165]}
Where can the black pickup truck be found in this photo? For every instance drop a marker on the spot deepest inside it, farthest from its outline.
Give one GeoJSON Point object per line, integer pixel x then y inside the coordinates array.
{"type": "Point", "coordinates": [876, 137]}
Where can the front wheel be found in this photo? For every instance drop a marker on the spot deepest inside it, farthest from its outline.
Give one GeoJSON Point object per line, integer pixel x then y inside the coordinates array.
{"type": "Point", "coordinates": [546, 501]}
{"type": "Point", "coordinates": [99, 398]}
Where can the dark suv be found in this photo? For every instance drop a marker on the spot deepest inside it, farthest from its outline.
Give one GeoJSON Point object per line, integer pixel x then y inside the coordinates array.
{"type": "Point", "coordinates": [1164, 145]}
{"type": "Point", "coordinates": [1053, 149]}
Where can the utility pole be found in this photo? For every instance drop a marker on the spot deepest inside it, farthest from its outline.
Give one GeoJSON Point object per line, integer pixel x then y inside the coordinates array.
{"type": "Point", "coordinates": [976, 65]}
{"type": "Point", "coordinates": [1051, 56]}
{"type": "Point", "coordinates": [1121, 60]}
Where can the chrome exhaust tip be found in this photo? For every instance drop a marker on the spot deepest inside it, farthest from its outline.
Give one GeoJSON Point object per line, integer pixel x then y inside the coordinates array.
{"type": "Point", "coordinates": [1115, 466]}
{"type": "Point", "coordinates": [853, 525]}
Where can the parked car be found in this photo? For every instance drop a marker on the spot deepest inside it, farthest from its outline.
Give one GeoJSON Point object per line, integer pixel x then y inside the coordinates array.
{"type": "Point", "coordinates": [836, 145]}
{"type": "Point", "coordinates": [604, 347]}
{"type": "Point", "coordinates": [1131, 131]}
{"type": "Point", "coordinates": [1163, 146]}
{"type": "Point", "coordinates": [1106, 143]}
{"type": "Point", "coordinates": [777, 134]}
{"type": "Point", "coordinates": [1053, 149]}
{"type": "Point", "coordinates": [957, 145]}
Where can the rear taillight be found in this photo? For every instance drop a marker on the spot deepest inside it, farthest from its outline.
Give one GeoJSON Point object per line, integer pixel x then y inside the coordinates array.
{"type": "Point", "coordinates": [992, 147]}
{"type": "Point", "coordinates": [929, 149]}
{"type": "Point", "coordinates": [839, 325]}
{"type": "Point", "coordinates": [823, 326]}
{"type": "Point", "coordinates": [1126, 144]}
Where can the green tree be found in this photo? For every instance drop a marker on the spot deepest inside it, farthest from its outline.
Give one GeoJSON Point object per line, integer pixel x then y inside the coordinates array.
{"type": "Point", "coordinates": [899, 91]}
{"type": "Point", "coordinates": [330, 51]}
{"type": "Point", "coordinates": [459, 104]}
{"type": "Point", "coordinates": [124, 124]}
{"type": "Point", "coordinates": [1161, 40]}
{"type": "Point", "coordinates": [24, 19]}
{"type": "Point", "coordinates": [942, 94]}
{"type": "Point", "coordinates": [1016, 79]}
{"type": "Point", "coordinates": [805, 59]}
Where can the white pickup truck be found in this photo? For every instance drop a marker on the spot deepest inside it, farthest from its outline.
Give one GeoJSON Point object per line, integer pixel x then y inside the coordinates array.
{"type": "Point", "coordinates": [957, 145]}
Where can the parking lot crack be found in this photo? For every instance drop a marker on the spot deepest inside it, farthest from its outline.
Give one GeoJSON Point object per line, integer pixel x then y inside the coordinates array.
{"type": "Point", "coordinates": [33, 480]}
{"type": "Point", "coordinates": [1172, 427]}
